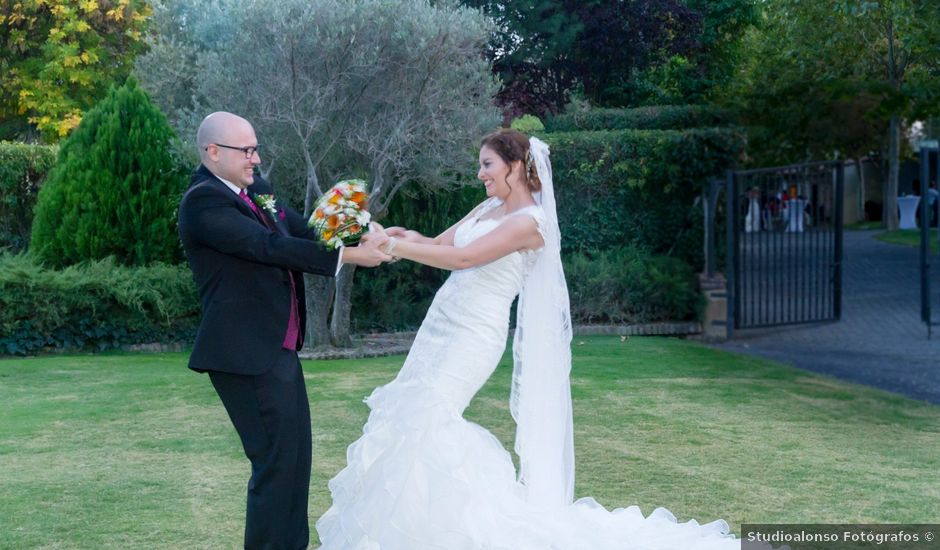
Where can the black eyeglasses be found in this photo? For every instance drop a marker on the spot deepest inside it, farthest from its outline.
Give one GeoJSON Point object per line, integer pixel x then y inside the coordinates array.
{"type": "Point", "coordinates": [249, 151]}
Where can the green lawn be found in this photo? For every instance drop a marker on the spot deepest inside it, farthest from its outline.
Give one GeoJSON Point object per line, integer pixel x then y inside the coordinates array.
{"type": "Point", "coordinates": [908, 237]}
{"type": "Point", "coordinates": [135, 451]}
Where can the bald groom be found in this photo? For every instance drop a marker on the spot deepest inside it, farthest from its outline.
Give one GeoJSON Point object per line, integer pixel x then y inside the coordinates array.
{"type": "Point", "coordinates": [248, 263]}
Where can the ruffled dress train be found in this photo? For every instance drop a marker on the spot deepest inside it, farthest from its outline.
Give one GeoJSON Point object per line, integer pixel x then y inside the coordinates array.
{"type": "Point", "coordinates": [422, 477]}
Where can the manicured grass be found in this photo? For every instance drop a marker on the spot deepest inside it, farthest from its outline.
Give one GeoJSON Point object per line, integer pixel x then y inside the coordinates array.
{"type": "Point", "coordinates": [135, 451]}
{"type": "Point", "coordinates": [908, 237]}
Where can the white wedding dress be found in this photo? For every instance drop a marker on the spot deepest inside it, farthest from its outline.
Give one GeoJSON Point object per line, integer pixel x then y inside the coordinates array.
{"type": "Point", "coordinates": [422, 477]}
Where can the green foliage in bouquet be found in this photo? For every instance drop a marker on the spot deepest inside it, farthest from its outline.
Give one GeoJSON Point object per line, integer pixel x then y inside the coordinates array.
{"type": "Point", "coordinates": [93, 306]}
{"type": "Point", "coordinates": [23, 169]}
{"type": "Point", "coordinates": [115, 187]}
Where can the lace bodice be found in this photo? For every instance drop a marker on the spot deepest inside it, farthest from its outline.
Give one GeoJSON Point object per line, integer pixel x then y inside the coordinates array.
{"type": "Point", "coordinates": [464, 333]}
{"type": "Point", "coordinates": [504, 277]}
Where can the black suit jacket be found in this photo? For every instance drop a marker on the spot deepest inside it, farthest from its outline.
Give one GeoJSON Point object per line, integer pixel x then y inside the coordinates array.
{"type": "Point", "coordinates": [241, 270]}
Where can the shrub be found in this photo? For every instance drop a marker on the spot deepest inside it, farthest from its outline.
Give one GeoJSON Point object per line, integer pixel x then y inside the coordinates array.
{"type": "Point", "coordinates": [528, 124]}
{"type": "Point", "coordinates": [664, 117]}
{"type": "Point", "coordinates": [629, 285]}
{"type": "Point", "coordinates": [23, 168]}
{"type": "Point", "coordinates": [115, 187]}
{"type": "Point", "coordinates": [638, 187]}
{"type": "Point", "coordinates": [94, 306]}
{"type": "Point", "coordinates": [619, 285]}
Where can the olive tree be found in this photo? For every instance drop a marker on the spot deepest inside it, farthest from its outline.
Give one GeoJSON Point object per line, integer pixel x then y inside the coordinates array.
{"type": "Point", "coordinates": [392, 91]}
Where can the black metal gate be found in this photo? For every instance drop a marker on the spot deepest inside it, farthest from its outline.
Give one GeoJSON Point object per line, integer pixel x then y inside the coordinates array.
{"type": "Point", "coordinates": [784, 245]}
{"type": "Point", "coordinates": [929, 172]}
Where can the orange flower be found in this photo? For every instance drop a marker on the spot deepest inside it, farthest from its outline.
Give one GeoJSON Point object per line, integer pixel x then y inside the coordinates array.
{"type": "Point", "coordinates": [318, 213]}
{"type": "Point", "coordinates": [358, 198]}
{"type": "Point", "coordinates": [354, 228]}
{"type": "Point", "coordinates": [327, 235]}
{"type": "Point", "coordinates": [333, 222]}
{"type": "Point", "coordinates": [335, 198]}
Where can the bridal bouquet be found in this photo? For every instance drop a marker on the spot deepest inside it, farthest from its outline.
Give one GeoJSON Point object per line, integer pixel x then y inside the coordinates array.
{"type": "Point", "coordinates": [340, 216]}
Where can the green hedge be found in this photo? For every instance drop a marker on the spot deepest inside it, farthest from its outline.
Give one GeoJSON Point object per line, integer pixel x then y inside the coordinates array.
{"type": "Point", "coordinates": [23, 168]}
{"type": "Point", "coordinates": [632, 237]}
{"type": "Point", "coordinates": [665, 117]}
{"type": "Point", "coordinates": [93, 306]}
{"type": "Point", "coordinates": [621, 285]}
{"type": "Point", "coordinates": [630, 285]}
{"type": "Point", "coordinates": [638, 187]}
{"type": "Point", "coordinates": [622, 195]}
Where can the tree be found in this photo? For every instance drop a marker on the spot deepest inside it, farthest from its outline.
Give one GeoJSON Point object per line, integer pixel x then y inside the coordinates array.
{"type": "Point", "coordinates": [114, 189]}
{"type": "Point", "coordinates": [609, 51]}
{"type": "Point", "coordinates": [529, 51]}
{"type": "Point", "coordinates": [395, 92]}
{"type": "Point", "coordinates": [59, 57]}
{"type": "Point", "coordinates": [849, 93]}
{"type": "Point", "coordinates": [794, 111]}
{"type": "Point", "coordinates": [899, 38]}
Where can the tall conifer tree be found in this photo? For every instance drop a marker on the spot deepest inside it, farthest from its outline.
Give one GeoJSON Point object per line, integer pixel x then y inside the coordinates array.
{"type": "Point", "coordinates": [115, 187]}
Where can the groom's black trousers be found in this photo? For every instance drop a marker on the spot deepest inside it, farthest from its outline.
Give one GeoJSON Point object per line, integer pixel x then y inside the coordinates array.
{"type": "Point", "coordinates": [271, 413]}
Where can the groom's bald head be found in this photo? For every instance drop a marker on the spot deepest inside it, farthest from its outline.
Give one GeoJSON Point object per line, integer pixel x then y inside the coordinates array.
{"type": "Point", "coordinates": [228, 147]}
{"type": "Point", "coordinates": [219, 128]}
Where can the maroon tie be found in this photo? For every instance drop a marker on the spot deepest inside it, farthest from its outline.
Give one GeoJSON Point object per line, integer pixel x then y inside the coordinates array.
{"type": "Point", "coordinates": [293, 322]}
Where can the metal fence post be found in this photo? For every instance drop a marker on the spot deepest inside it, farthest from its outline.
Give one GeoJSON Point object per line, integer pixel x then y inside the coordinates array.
{"type": "Point", "coordinates": [731, 250]}
{"type": "Point", "coordinates": [837, 223]}
{"type": "Point", "coordinates": [710, 206]}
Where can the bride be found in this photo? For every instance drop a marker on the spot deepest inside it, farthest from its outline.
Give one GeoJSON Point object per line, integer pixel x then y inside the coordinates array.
{"type": "Point", "coordinates": [421, 476]}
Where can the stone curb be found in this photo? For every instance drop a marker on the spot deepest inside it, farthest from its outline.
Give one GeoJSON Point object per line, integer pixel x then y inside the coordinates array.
{"type": "Point", "coordinates": [157, 347]}
{"type": "Point", "coordinates": [365, 345]}
{"type": "Point", "coordinates": [398, 343]}
{"type": "Point", "coordinates": [648, 329]}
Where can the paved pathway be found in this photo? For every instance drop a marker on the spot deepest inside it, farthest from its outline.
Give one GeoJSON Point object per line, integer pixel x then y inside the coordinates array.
{"type": "Point", "coordinates": [880, 340]}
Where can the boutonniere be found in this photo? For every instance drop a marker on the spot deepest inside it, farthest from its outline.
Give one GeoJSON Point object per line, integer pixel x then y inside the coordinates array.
{"type": "Point", "coordinates": [267, 202]}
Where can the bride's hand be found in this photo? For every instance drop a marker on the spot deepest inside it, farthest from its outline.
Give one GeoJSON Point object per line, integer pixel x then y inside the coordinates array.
{"type": "Point", "coordinates": [381, 237]}
{"type": "Point", "coordinates": [409, 235]}
{"type": "Point", "coordinates": [375, 233]}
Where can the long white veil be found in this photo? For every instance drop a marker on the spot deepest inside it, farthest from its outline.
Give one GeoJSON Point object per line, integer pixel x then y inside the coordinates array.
{"type": "Point", "coordinates": [541, 394]}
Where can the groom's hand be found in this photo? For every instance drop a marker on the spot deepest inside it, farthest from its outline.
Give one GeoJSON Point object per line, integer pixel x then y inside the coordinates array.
{"type": "Point", "coordinates": [371, 235]}
{"type": "Point", "coordinates": [369, 253]}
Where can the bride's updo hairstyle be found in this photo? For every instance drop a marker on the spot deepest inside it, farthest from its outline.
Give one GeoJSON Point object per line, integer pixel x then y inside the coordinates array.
{"type": "Point", "coordinates": [512, 145]}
